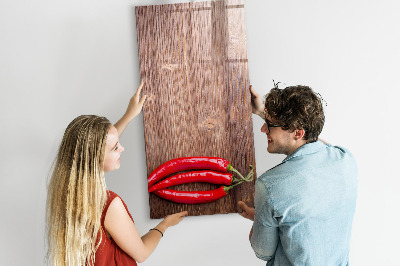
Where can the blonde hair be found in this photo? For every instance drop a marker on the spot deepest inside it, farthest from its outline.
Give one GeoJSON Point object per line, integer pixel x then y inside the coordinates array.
{"type": "Point", "coordinates": [77, 193]}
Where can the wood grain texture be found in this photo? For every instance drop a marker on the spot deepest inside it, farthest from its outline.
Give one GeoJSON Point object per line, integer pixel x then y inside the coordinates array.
{"type": "Point", "coordinates": [193, 59]}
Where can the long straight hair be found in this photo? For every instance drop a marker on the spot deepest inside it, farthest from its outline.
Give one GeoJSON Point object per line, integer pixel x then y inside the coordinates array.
{"type": "Point", "coordinates": [77, 193]}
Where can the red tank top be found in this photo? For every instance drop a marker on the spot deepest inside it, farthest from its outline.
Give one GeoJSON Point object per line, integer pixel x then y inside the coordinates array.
{"type": "Point", "coordinates": [109, 253]}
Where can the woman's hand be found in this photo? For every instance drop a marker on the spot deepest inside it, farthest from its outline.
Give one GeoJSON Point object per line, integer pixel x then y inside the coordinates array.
{"type": "Point", "coordinates": [175, 218]}
{"type": "Point", "coordinates": [122, 229]}
{"type": "Point", "coordinates": [135, 104]}
{"type": "Point", "coordinates": [171, 220]}
{"type": "Point", "coordinates": [256, 103]}
{"type": "Point", "coordinates": [134, 107]}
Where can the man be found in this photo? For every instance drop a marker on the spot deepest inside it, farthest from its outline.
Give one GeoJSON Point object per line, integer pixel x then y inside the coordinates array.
{"type": "Point", "coordinates": [304, 206]}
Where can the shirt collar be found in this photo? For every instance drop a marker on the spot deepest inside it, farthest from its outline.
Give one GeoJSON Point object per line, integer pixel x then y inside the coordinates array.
{"type": "Point", "coordinates": [306, 149]}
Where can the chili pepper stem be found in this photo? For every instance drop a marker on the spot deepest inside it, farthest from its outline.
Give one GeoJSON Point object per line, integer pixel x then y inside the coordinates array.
{"type": "Point", "coordinates": [226, 189]}
{"type": "Point", "coordinates": [248, 178]}
{"type": "Point", "coordinates": [230, 168]}
{"type": "Point", "coordinates": [234, 179]}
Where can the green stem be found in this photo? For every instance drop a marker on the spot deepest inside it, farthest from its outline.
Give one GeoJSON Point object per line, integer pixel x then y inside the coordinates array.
{"type": "Point", "coordinates": [230, 168]}
{"type": "Point", "coordinates": [234, 179]}
{"type": "Point", "coordinates": [248, 178]}
{"type": "Point", "coordinates": [232, 186]}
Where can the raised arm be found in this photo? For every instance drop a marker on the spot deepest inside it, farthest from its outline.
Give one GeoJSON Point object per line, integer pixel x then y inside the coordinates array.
{"type": "Point", "coordinates": [257, 104]}
{"type": "Point", "coordinates": [134, 108]}
{"type": "Point", "coordinates": [122, 229]}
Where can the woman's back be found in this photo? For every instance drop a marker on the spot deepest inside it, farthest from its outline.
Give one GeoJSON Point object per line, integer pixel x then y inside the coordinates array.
{"type": "Point", "coordinates": [108, 252]}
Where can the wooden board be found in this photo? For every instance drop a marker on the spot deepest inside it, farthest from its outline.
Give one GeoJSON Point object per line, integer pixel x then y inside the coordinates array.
{"type": "Point", "coordinates": [193, 59]}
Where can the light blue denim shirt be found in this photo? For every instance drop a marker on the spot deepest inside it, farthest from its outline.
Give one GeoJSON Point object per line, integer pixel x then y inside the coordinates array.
{"type": "Point", "coordinates": [305, 207]}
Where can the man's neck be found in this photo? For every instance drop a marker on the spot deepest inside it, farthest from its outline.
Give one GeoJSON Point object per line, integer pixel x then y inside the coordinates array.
{"type": "Point", "coordinates": [297, 145]}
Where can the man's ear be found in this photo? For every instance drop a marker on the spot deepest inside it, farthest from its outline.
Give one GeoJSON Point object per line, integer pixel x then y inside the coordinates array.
{"type": "Point", "coordinates": [299, 134]}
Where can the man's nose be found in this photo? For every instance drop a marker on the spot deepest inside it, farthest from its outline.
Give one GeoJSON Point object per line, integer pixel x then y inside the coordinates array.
{"type": "Point", "coordinates": [264, 128]}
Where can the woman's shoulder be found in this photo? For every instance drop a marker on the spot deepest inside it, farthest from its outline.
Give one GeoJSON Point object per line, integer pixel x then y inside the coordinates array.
{"type": "Point", "coordinates": [111, 195]}
{"type": "Point", "coordinates": [116, 203]}
{"type": "Point", "coordinates": [114, 197]}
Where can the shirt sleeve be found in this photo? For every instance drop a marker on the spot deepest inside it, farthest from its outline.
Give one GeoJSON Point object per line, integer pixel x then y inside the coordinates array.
{"type": "Point", "coordinates": [264, 239]}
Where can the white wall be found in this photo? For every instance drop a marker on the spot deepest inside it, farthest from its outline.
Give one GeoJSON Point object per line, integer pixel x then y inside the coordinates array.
{"type": "Point", "coordinates": [59, 59]}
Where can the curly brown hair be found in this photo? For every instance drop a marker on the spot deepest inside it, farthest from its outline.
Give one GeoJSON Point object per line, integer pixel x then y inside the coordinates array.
{"type": "Point", "coordinates": [297, 107]}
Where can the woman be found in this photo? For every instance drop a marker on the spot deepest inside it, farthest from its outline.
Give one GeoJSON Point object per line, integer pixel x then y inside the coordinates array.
{"type": "Point", "coordinates": [87, 224]}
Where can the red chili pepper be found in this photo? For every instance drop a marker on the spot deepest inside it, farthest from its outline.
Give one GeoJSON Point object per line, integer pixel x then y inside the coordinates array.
{"type": "Point", "coordinates": [188, 163]}
{"type": "Point", "coordinates": [192, 197]}
{"type": "Point", "coordinates": [194, 176]}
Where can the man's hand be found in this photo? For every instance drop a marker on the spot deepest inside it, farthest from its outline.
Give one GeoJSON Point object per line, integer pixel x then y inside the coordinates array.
{"type": "Point", "coordinates": [257, 103]}
{"type": "Point", "coordinates": [248, 212]}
